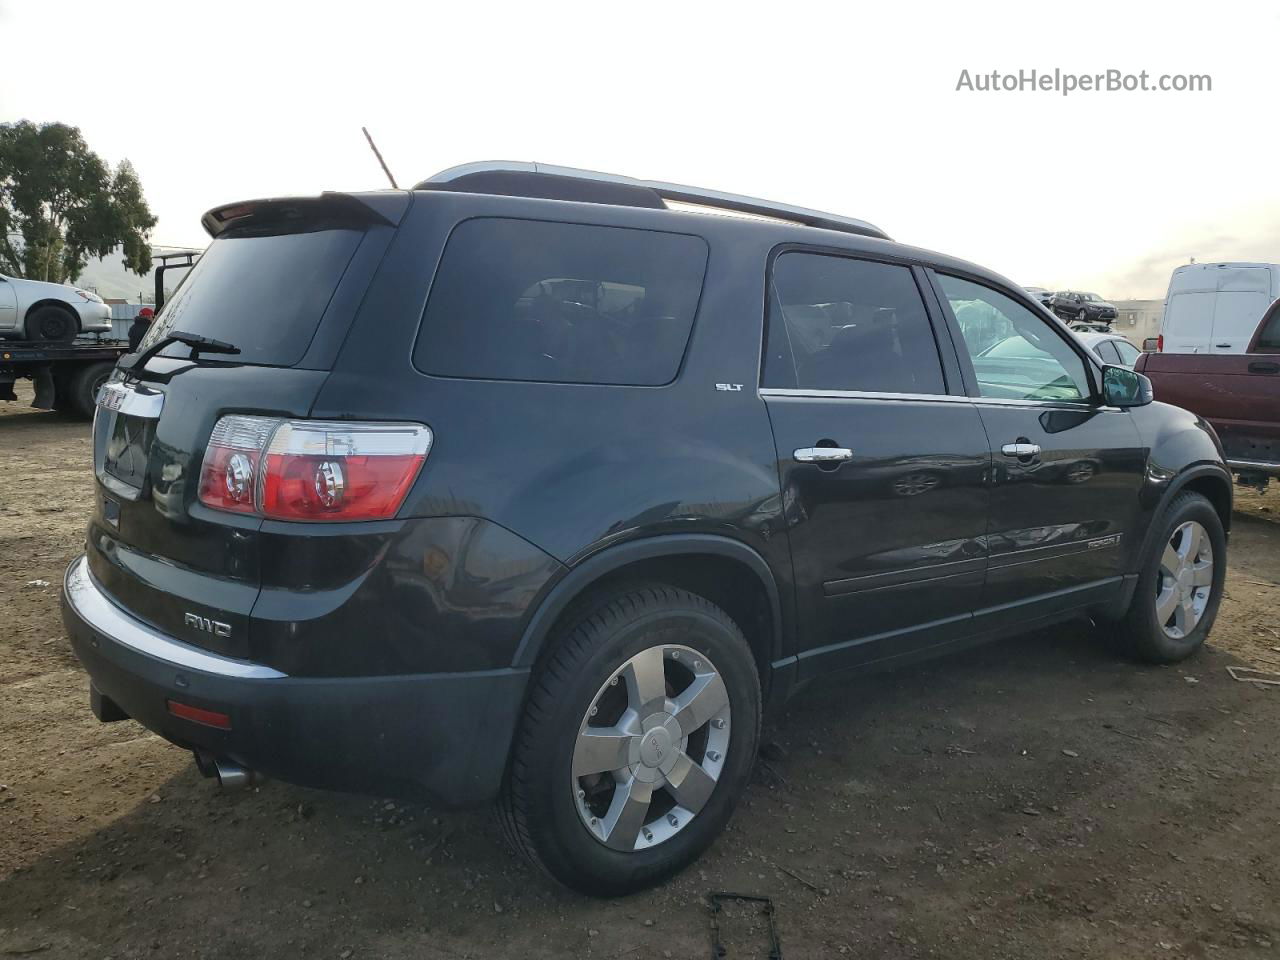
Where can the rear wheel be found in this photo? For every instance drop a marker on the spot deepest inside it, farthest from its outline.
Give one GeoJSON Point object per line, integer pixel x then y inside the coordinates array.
{"type": "Point", "coordinates": [52, 323]}
{"type": "Point", "coordinates": [83, 395]}
{"type": "Point", "coordinates": [639, 735]}
{"type": "Point", "coordinates": [1180, 586]}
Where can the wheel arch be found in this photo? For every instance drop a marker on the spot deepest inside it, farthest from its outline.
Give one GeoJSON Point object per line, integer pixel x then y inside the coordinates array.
{"type": "Point", "coordinates": [728, 572]}
{"type": "Point", "coordinates": [1210, 480]}
{"type": "Point", "coordinates": [51, 302]}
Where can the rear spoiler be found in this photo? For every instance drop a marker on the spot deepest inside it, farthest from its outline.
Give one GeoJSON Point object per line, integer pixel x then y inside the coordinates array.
{"type": "Point", "coordinates": [381, 207]}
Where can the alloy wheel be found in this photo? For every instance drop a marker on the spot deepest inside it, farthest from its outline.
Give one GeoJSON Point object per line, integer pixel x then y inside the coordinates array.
{"type": "Point", "coordinates": [651, 747]}
{"type": "Point", "coordinates": [1184, 580]}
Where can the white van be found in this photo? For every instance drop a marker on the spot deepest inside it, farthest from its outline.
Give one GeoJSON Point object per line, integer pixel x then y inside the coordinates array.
{"type": "Point", "coordinates": [1215, 307]}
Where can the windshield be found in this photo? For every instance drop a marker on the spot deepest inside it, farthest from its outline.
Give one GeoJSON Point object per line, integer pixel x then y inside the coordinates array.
{"type": "Point", "coordinates": [263, 294]}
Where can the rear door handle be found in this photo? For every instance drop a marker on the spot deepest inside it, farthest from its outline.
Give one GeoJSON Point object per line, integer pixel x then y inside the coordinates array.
{"type": "Point", "coordinates": [823, 454]}
{"type": "Point", "coordinates": [1020, 450]}
{"type": "Point", "coordinates": [1264, 366]}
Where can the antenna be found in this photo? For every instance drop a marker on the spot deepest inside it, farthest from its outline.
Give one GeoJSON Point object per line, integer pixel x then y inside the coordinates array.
{"type": "Point", "coordinates": [374, 147]}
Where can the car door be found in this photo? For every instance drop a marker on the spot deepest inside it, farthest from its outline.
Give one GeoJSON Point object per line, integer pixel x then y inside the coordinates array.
{"type": "Point", "coordinates": [8, 305]}
{"type": "Point", "coordinates": [1066, 469]}
{"type": "Point", "coordinates": [882, 460]}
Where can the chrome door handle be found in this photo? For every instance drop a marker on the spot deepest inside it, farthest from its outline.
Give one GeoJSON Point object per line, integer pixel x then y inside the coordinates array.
{"type": "Point", "coordinates": [823, 454]}
{"type": "Point", "coordinates": [1020, 450]}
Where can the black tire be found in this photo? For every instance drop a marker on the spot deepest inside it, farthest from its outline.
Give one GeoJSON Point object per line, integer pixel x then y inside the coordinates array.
{"type": "Point", "coordinates": [54, 324]}
{"type": "Point", "coordinates": [1141, 629]}
{"type": "Point", "coordinates": [538, 811]}
{"type": "Point", "coordinates": [83, 395]}
{"type": "Point", "coordinates": [1082, 316]}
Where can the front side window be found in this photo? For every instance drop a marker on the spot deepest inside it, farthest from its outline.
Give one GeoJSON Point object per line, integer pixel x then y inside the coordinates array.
{"type": "Point", "coordinates": [1269, 339]}
{"type": "Point", "coordinates": [1106, 351]}
{"type": "Point", "coordinates": [561, 303]}
{"type": "Point", "coordinates": [1128, 352]}
{"type": "Point", "coordinates": [1016, 354]}
{"type": "Point", "coordinates": [841, 324]}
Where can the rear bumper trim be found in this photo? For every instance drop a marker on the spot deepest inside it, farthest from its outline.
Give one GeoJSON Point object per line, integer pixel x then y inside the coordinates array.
{"type": "Point", "coordinates": [89, 602]}
{"type": "Point", "coordinates": [1256, 466]}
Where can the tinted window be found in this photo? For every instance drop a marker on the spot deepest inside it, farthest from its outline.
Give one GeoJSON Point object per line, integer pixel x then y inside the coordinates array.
{"type": "Point", "coordinates": [842, 324]}
{"type": "Point", "coordinates": [1107, 351]}
{"type": "Point", "coordinates": [1128, 352]}
{"type": "Point", "coordinates": [263, 294]}
{"type": "Point", "coordinates": [561, 302]}
{"type": "Point", "coordinates": [1028, 360]}
{"type": "Point", "coordinates": [1269, 339]}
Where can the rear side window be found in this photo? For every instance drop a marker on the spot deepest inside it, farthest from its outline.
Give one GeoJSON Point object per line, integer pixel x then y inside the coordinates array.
{"type": "Point", "coordinates": [561, 303]}
{"type": "Point", "coordinates": [263, 294]}
{"type": "Point", "coordinates": [841, 324]}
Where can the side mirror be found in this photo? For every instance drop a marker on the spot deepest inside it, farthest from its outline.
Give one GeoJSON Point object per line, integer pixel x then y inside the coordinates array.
{"type": "Point", "coordinates": [1122, 387]}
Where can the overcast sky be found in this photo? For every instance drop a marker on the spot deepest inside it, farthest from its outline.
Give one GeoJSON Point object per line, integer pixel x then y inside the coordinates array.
{"type": "Point", "coordinates": [844, 107]}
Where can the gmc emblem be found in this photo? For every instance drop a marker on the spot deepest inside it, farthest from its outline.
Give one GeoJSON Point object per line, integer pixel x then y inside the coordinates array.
{"type": "Point", "coordinates": [205, 625]}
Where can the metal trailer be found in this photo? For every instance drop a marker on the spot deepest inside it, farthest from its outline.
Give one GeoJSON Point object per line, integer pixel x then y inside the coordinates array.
{"type": "Point", "coordinates": [67, 375]}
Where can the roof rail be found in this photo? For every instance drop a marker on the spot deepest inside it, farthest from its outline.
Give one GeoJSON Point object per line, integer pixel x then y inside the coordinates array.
{"type": "Point", "coordinates": [525, 179]}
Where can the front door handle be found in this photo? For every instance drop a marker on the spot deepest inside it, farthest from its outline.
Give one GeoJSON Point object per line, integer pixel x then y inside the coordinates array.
{"type": "Point", "coordinates": [1264, 366]}
{"type": "Point", "coordinates": [1021, 450]}
{"type": "Point", "coordinates": [823, 454]}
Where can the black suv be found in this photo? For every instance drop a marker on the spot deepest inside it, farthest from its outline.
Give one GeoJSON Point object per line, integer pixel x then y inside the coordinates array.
{"type": "Point", "coordinates": [522, 485]}
{"type": "Point", "coordinates": [1082, 307]}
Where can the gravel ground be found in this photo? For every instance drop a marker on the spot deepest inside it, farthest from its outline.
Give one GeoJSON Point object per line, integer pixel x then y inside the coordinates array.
{"type": "Point", "coordinates": [1037, 798]}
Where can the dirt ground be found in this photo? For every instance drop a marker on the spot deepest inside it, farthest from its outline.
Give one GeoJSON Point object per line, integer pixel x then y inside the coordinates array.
{"type": "Point", "coordinates": [1036, 798]}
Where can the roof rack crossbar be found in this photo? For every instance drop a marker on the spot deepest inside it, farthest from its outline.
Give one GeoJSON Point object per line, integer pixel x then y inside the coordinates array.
{"type": "Point", "coordinates": [613, 188]}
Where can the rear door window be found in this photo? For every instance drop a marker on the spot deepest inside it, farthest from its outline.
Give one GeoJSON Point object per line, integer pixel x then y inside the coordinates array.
{"type": "Point", "coordinates": [836, 323]}
{"type": "Point", "coordinates": [561, 303]}
{"type": "Point", "coordinates": [263, 294]}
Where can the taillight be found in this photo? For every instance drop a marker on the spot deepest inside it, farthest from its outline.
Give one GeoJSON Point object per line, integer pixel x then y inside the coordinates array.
{"type": "Point", "coordinates": [311, 469]}
{"type": "Point", "coordinates": [228, 479]}
{"type": "Point", "coordinates": [1160, 344]}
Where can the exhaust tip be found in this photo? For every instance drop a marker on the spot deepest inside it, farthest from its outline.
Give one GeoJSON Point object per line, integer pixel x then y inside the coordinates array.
{"type": "Point", "coordinates": [230, 775]}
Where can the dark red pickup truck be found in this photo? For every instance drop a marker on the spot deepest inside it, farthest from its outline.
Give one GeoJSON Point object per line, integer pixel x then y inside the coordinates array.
{"type": "Point", "coordinates": [1239, 393]}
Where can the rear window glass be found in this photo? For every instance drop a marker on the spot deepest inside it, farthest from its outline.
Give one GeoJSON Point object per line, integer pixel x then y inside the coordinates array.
{"type": "Point", "coordinates": [263, 294]}
{"type": "Point", "coordinates": [561, 303]}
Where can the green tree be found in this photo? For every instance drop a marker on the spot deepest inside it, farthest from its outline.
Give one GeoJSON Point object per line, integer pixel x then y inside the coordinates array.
{"type": "Point", "coordinates": [60, 204]}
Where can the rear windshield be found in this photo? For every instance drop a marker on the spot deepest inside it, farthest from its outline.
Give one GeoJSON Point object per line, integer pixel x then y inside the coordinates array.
{"type": "Point", "coordinates": [263, 294]}
{"type": "Point", "coordinates": [561, 303]}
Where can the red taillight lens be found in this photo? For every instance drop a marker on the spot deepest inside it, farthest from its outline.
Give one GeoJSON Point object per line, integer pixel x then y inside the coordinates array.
{"type": "Point", "coordinates": [229, 476]}
{"type": "Point", "coordinates": [1160, 344]}
{"type": "Point", "coordinates": [312, 470]}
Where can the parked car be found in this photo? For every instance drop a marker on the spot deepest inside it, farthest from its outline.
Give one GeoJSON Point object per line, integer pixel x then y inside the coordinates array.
{"type": "Point", "coordinates": [1110, 347]}
{"type": "Point", "coordinates": [1086, 327]}
{"type": "Point", "coordinates": [505, 503]}
{"type": "Point", "coordinates": [1082, 307]}
{"type": "Point", "coordinates": [34, 310]}
{"type": "Point", "coordinates": [1215, 307]}
{"type": "Point", "coordinates": [1040, 293]}
{"type": "Point", "coordinates": [1238, 393]}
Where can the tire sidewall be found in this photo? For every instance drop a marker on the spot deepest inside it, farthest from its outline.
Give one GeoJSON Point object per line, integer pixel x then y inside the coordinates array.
{"type": "Point", "coordinates": [1152, 641]}
{"type": "Point", "coordinates": [71, 325]}
{"type": "Point", "coordinates": [566, 847]}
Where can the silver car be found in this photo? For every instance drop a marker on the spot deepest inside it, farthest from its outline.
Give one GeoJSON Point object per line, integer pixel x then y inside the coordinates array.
{"type": "Point", "coordinates": [33, 310]}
